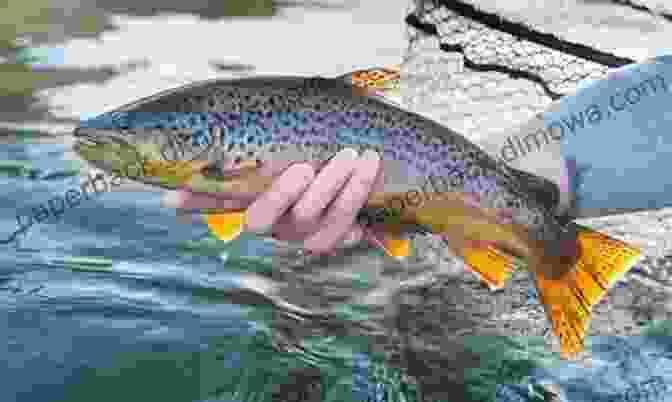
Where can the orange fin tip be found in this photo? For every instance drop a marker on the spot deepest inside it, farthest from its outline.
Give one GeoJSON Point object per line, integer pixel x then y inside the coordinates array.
{"type": "Point", "coordinates": [492, 266]}
{"type": "Point", "coordinates": [227, 226]}
{"type": "Point", "coordinates": [568, 301]}
{"type": "Point", "coordinates": [393, 245]}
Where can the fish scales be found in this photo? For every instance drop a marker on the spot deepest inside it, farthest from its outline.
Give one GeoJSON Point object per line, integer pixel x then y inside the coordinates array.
{"type": "Point", "coordinates": [260, 118]}
{"type": "Point", "coordinates": [192, 136]}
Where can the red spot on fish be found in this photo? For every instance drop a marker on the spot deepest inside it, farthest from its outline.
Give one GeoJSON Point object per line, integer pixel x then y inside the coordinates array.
{"type": "Point", "coordinates": [505, 216]}
{"type": "Point", "coordinates": [472, 199]}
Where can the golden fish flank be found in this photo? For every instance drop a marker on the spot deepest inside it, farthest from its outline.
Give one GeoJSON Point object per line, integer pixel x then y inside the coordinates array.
{"type": "Point", "coordinates": [173, 172]}
{"type": "Point", "coordinates": [573, 266]}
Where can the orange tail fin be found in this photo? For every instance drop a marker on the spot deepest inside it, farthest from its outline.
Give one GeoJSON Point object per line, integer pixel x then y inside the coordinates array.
{"type": "Point", "coordinates": [568, 301]}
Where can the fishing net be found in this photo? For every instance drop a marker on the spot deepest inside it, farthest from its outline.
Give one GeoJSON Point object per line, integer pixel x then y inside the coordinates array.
{"type": "Point", "coordinates": [480, 67]}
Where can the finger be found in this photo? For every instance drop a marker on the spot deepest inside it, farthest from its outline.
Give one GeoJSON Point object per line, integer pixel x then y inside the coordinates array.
{"type": "Point", "coordinates": [379, 182]}
{"type": "Point", "coordinates": [288, 233]}
{"type": "Point", "coordinates": [372, 237]}
{"type": "Point", "coordinates": [275, 167]}
{"type": "Point", "coordinates": [504, 216]}
{"type": "Point", "coordinates": [286, 229]}
{"type": "Point", "coordinates": [354, 236]}
{"type": "Point", "coordinates": [324, 188]}
{"type": "Point", "coordinates": [341, 214]}
{"type": "Point", "coordinates": [270, 206]}
{"type": "Point", "coordinates": [187, 200]}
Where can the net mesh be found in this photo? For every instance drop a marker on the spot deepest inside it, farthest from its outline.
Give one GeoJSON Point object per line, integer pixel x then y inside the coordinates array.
{"type": "Point", "coordinates": [657, 8]}
{"type": "Point", "coordinates": [479, 70]}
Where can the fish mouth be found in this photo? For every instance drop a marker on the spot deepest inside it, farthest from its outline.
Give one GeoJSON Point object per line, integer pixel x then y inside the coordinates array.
{"type": "Point", "coordinates": [97, 137]}
{"type": "Point", "coordinates": [106, 150]}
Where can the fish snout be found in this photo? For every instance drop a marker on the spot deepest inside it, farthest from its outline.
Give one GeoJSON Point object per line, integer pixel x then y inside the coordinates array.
{"type": "Point", "coordinates": [83, 135]}
{"type": "Point", "coordinates": [97, 137]}
{"type": "Point", "coordinates": [104, 149]}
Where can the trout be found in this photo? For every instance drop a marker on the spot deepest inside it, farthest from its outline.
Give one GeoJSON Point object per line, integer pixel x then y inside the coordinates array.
{"type": "Point", "coordinates": [213, 136]}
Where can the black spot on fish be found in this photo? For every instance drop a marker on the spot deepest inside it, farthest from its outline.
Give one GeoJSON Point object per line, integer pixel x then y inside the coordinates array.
{"type": "Point", "coordinates": [237, 160]}
{"type": "Point", "coordinates": [250, 139]}
{"type": "Point", "coordinates": [183, 138]}
{"type": "Point", "coordinates": [230, 147]}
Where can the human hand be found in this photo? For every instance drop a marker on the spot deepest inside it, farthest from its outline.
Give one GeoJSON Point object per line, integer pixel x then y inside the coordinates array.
{"type": "Point", "coordinates": [311, 203]}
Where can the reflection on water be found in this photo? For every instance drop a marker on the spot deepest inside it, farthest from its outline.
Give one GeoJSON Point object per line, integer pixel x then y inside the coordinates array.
{"type": "Point", "coordinates": [116, 301]}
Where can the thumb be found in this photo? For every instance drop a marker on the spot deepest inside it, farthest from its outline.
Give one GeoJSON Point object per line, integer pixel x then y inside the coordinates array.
{"type": "Point", "coordinates": [183, 199]}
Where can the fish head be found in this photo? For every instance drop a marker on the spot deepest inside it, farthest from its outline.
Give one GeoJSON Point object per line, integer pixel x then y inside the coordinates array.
{"type": "Point", "coordinates": [169, 150]}
{"type": "Point", "coordinates": [150, 147]}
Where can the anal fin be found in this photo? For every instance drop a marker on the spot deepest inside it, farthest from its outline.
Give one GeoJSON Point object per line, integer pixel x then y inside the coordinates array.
{"type": "Point", "coordinates": [492, 266]}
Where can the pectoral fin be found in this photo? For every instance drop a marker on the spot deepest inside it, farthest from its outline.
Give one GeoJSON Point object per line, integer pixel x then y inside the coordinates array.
{"type": "Point", "coordinates": [226, 226]}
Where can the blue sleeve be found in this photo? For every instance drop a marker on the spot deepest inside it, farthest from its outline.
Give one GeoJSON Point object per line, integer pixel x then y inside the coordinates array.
{"type": "Point", "coordinates": [617, 134]}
